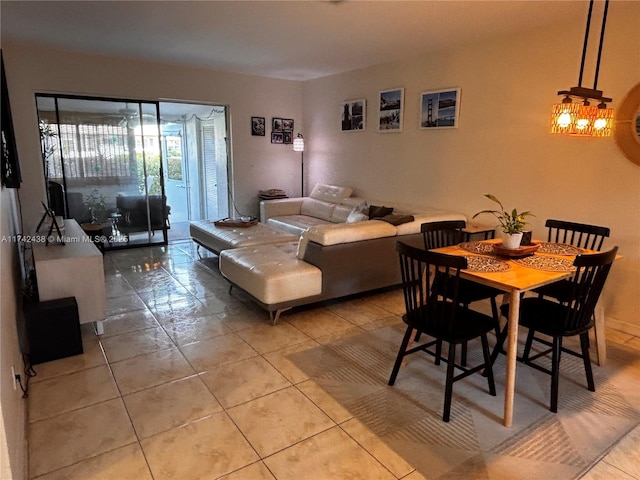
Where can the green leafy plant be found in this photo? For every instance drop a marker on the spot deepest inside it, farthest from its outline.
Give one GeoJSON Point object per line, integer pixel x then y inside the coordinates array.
{"type": "Point", "coordinates": [511, 222]}
{"type": "Point", "coordinates": [97, 205]}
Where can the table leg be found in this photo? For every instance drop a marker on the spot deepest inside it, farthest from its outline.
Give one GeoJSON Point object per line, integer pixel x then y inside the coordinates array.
{"type": "Point", "coordinates": [601, 343]}
{"type": "Point", "coordinates": [512, 353]}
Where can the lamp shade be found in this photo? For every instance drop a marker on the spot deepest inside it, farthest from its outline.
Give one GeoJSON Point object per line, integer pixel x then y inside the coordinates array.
{"type": "Point", "coordinates": [298, 144]}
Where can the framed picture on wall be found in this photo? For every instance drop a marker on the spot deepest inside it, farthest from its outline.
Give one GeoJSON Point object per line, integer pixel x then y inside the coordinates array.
{"type": "Point", "coordinates": [257, 126]}
{"type": "Point", "coordinates": [287, 137]}
{"type": "Point", "coordinates": [287, 124]}
{"type": "Point", "coordinates": [390, 110]}
{"type": "Point", "coordinates": [276, 124]}
{"type": "Point", "coordinates": [353, 115]}
{"type": "Point", "coordinates": [277, 137]}
{"type": "Point", "coordinates": [440, 108]}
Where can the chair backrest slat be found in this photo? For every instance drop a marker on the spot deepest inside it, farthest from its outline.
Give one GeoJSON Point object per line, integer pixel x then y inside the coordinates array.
{"type": "Point", "coordinates": [579, 235]}
{"type": "Point", "coordinates": [587, 284]}
{"type": "Point", "coordinates": [442, 234]}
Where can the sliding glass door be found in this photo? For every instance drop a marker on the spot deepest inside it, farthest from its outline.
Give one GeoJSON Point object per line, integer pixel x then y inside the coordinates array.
{"type": "Point", "coordinates": [103, 167]}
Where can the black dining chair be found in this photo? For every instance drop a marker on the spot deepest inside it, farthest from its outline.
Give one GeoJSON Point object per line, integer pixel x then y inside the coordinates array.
{"type": "Point", "coordinates": [572, 317]}
{"type": "Point", "coordinates": [579, 235]}
{"type": "Point", "coordinates": [446, 233]}
{"type": "Point", "coordinates": [438, 313]}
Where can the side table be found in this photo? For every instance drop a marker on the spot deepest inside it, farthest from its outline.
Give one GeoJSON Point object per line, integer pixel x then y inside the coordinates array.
{"type": "Point", "coordinates": [473, 229]}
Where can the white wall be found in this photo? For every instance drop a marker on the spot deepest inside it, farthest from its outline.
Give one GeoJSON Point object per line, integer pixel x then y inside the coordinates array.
{"type": "Point", "coordinates": [13, 415]}
{"type": "Point", "coordinates": [502, 145]}
{"type": "Point", "coordinates": [258, 164]}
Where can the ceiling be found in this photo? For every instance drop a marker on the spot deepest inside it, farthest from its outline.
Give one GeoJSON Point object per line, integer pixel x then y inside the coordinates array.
{"type": "Point", "coordinates": [295, 40]}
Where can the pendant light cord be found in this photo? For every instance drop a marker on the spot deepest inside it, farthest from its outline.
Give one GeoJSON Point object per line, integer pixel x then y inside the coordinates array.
{"type": "Point", "coordinates": [604, 22]}
{"type": "Point", "coordinates": [586, 41]}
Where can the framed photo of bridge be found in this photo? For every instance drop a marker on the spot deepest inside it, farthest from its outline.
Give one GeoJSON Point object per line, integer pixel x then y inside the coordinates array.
{"type": "Point", "coordinates": [439, 109]}
{"type": "Point", "coordinates": [390, 110]}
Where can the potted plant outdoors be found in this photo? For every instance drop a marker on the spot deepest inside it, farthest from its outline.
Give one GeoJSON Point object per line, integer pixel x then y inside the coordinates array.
{"type": "Point", "coordinates": [512, 223]}
{"type": "Point", "coordinates": [97, 205]}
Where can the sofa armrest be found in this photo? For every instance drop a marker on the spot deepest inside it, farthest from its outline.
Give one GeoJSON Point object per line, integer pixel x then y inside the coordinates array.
{"type": "Point", "coordinates": [279, 208]}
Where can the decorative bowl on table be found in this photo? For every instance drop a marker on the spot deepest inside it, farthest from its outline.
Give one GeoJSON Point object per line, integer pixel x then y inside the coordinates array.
{"type": "Point", "coordinates": [521, 251]}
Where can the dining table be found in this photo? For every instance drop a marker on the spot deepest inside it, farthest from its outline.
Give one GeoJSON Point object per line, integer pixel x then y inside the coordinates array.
{"type": "Point", "coordinates": [515, 273]}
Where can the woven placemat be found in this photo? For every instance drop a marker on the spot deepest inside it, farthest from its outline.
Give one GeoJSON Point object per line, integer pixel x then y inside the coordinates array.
{"type": "Point", "coordinates": [559, 249]}
{"type": "Point", "coordinates": [476, 263]}
{"type": "Point", "coordinates": [544, 262]}
{"type": "Point", "coordinates": [480, 248]}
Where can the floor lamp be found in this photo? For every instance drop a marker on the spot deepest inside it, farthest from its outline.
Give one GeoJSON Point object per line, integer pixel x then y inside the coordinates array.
{"type": "Point", "coordinates": [298, 146]}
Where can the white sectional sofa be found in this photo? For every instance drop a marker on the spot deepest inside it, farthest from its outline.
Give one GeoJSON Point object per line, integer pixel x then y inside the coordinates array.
{"type": "Point", "coordinates": [334, 256]}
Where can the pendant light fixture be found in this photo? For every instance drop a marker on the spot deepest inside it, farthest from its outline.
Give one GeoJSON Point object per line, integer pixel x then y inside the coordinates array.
{"type": "Point", "coordinates": [581, 118]}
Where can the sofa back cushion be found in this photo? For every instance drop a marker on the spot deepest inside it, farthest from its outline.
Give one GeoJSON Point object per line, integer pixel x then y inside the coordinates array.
{"type": "Point", "coordinates": [330, 193]}
{"type": "Point", "coordinates": [340, 214]}
{"type": "Point", "coordinates": [317, 208]}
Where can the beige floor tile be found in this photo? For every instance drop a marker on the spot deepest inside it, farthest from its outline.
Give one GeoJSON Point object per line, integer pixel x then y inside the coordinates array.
{"type": "Point", "coordinates": [279, 420]}
{"type": "Point", "coordinates": [208, 448]}
{"type": "Point", "coordinates": [242, 317]}
{"type": "Point", "coordinates": [132, 344]}
{"type": "Point", "coordinates": [146, 371]}
{"type": "Point", "coordinates": [286, 367]}
{"type": "Point", "coordinates": [268, 338]}
{"type": "Point", "coordinates": [125, 303]}
{"type": "Point", "coordinates": [212, 352]}
{"type": "Point", "coordinates": [359, 311]}
{"type": "Point", "coordinates": [329, 455]}
{"type": "Point", "coordinates": [170, 405]}
{"type": "Point", "coordinates": [123, 463]}
{"type": "Point", "coordinates": [633, 343]}
{"type": "Point", "coordinates": [376, 447]}
{"type": "Point", "coordinates": [245, 380]}
{"type": "Point", "coordinates": [92, 356]}
{"type": "Point", "coordinates": [128, 322]}
{"type": "Point", "coordinates": [626, 454]}
{"type": "Point", "coordinates": [605, 471]}
{"type": "Point", "coordinates": [326, 402]}
{"type": "Point", "coordinates": [415, 475]}
{"type": "Point", "coordinates": [392, 301]}
{"type": "Point", "coordinates": [189, 330]}
{"type": "Point", "coordinates": [74, 436]}
{"type": "Point", "coordinates": [257, 471]}
{"type": "Point", "coordinates": [335, 336]}
{"type": "Point", "coordinates": [318, 322]}
{"type": "Point", "coordinates": [70, 392]}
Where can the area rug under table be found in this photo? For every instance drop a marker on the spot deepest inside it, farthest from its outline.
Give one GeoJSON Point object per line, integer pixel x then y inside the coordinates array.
{"type": "Point", "coordinates": [475, 444]}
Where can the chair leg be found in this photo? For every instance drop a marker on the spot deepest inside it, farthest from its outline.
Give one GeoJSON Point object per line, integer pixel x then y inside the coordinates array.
{"type": "Point", "coordinates": [438, 351]}
{"type": "Point", "coordinates": [555, 372]}
{"type": "Point", "coordinates": [496, 316]}
{"type": "Point", "coordinates": [403, 348]}
{"type": "Point", "coordinates": [499, 343]}
{"type": "Point", "coordinates": [584, 342]}
{"type": "Point", "coordinates": [448, 389]}
{"type": "Point", "coordinates": [463, 354]}
{"type": "Point", "coordinates": [527, 345]}
{"type": "Point", "coordinates": [488, 370]}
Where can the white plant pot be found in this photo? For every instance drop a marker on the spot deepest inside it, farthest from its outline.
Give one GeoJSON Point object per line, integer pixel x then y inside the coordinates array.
{"type": "Point", "coordinates": [511, 241]}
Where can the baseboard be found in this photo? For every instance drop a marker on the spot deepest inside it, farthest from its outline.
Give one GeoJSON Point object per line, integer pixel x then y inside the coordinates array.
{"type": "Point", "coordinates": [623, 327]}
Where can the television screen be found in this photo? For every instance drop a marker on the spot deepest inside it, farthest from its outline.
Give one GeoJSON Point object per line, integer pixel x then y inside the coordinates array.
{"type": "Point", "coordinates": [10, 165]}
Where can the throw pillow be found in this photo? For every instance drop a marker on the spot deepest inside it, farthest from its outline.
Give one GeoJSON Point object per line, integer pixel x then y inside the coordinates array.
{"type": "Point", "coordinates": [377, 211]}
{"type": "Point", "coordinates": [362, 208]}
{"type": "Point", "coordinates": [355, 216]}
{"type": "Point", "coordinates": [397, 218]}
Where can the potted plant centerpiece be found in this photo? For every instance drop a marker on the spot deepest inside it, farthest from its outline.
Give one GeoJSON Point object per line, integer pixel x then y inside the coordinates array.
{"type": "Point", "coordinates": [512, 223]}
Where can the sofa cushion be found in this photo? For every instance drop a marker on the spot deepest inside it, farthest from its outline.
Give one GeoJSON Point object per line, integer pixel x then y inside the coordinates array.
{"type": "Point", "coordinates": [340, 214]}
{"type": "Point", "coordinates": [333, 234]}
{"type": "Point", "coordinates": [356, 216]}
{"type": "Point", "coordinates": [295, 224]}
{"type": "Point", "coordinates": [427, 215]}
{"type": "Point", "coordinates": [376, 211]}
{"type": "Point", "coordinates": [330, 193]}
{"type": "Point", "coordinates": [317, 208]}
{"type": "Point", "coordinates": [271, 273]}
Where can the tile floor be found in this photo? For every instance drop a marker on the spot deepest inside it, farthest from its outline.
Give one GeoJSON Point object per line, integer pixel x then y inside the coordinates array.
{"type": "Point", "coordinates": [190, 381]}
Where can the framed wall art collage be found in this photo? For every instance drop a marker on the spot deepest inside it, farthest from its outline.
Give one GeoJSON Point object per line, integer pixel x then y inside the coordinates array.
{"type": "Point", "coordinates": [281, 129]}
{"type": "Point", "coordinates": [438, 109]}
